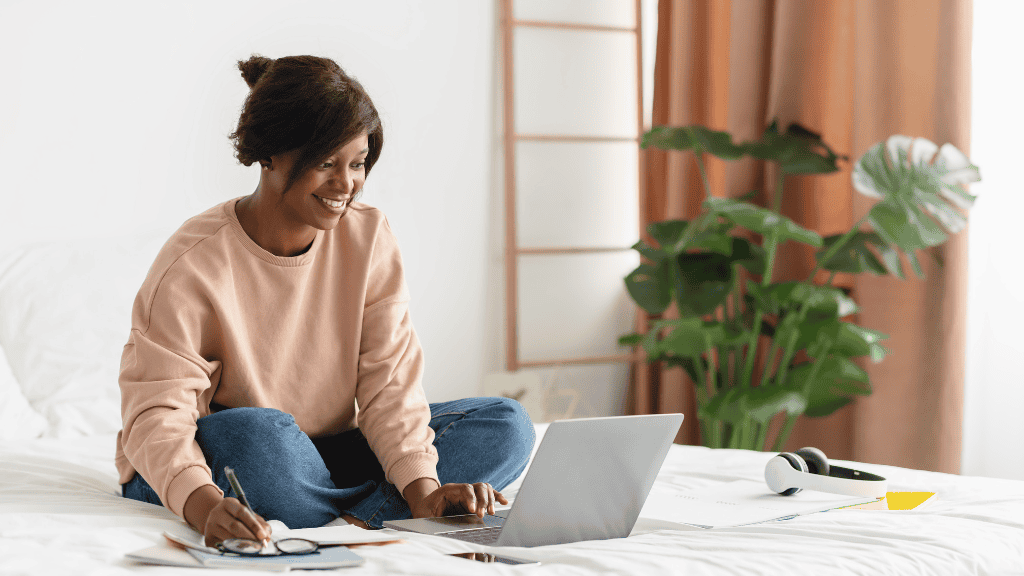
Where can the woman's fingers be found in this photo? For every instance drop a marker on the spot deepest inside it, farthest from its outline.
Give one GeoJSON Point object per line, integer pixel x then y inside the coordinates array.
{"type": "Point", "coordinates": [484, 499]}
{"type": "Point", "coordinates": [253, 525]}
{"type": "Point", "coordinates": [479, 498]}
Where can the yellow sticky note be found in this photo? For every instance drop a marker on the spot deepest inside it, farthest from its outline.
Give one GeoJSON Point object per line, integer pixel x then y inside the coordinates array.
{"type": "Point", "coordinates": [907, 500]}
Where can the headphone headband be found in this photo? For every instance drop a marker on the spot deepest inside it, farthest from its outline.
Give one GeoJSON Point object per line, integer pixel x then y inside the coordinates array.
{"type": "Point", "coordinates": [781, 476]}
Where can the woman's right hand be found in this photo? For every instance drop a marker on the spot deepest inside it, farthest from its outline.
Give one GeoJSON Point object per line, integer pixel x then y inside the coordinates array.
{"type": "Point", "coordinates": [231, 519]}
{"type": "Point", "coordinates": [220, 518]}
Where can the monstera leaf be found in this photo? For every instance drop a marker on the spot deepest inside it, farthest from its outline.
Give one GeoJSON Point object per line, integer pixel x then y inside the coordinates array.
{"type": "Point", "coordinates": [693, 138]}
{"type": "Point", "coordinates": [830, 385]}
{"type": "Point", "coordinates": [797, 150]}
{"type": "Point", "coordinates": [759, 404]}
{"type": "Point", "coordinates": [914, 185]}
{"type": "Point", "coordinates": [857, 255]}
{"type": "Point", "coordinates": [761, 220]}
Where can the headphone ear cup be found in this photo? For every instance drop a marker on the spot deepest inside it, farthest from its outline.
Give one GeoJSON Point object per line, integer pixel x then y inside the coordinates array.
{"type": "Point", "coordinates": [796, 462]}
{"type": "Point", "coordinates": [817, 462]}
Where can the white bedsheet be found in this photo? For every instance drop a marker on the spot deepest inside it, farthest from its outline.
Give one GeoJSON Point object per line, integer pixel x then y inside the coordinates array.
{"type": "Point", "coordinates": [61, 513]}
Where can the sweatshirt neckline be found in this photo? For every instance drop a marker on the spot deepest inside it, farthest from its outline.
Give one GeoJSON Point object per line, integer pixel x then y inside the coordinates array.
{"type": "Point", "coordinates": [258, 251]}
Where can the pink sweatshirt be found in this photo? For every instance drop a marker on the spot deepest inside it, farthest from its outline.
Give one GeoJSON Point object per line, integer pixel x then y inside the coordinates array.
{"type": "Point", "coordinates": [325, 336]}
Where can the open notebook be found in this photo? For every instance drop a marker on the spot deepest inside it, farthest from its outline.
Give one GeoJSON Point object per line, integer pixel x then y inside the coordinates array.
{"type": "Point", "coordinates": [186, 548]}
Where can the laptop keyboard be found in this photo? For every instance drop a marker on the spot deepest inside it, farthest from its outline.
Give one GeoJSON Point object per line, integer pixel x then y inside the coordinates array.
{"type": "Point", "coordinates": [476, 536]}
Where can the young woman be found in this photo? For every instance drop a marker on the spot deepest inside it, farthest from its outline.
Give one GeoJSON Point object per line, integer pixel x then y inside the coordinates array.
{"type": "Point", "coordinates": [272, 335]}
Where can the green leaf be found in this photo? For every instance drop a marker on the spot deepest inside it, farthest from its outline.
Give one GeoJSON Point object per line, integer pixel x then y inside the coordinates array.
{"type": "Point", "coordinates": [650, 286]}
{"type": "Point", "coordinates": [762, 298]}
{"type": "Point", "coordinates": [841, 339]}
{"type": "Point", "coordinates": [901, 174]}
{"type": "Point", "coordinates": [709, 234]}
{"type": "Point", "coordinates": [759, 404]}
{"type": "Point", "coordinates": [687, 364]}
{"type": "Point", "coordinates": [915, 265]}
{"type": "Point", "coordinates": [905, 225]}
{"type": "Point", "coordinates": [834, 384]}
{"type": "Point", "coordinates": [695, 138]}
{"type": "Point", "coordinates": [749, 255]}
{"type": "Point", "coordinates": [797, 151]}
{"type": "Point", "coordinates": [655, 255]}
{"type": "Point", "coordinates": [819, 300]}
{"type": "Point", "coordinates": [855, 256]}
{"type": "Point", "coordinates": [690, 338]}
{"type": "Point", "coordinates": [630, 339]}
{"type": "Point", "coordinates": [667, 232]}
{"type": "Point", "coordinates": [701, 282]}
{"type": "Point", "coordinates": [761, 220]}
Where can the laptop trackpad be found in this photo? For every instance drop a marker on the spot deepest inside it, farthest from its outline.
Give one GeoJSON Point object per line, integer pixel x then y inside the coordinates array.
{"type": "Point", "coordinates": [447, 523]}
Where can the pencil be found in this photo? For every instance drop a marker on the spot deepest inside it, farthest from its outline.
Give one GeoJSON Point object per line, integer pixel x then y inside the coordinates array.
{"type": "Point", "coordinates": [230, 473]}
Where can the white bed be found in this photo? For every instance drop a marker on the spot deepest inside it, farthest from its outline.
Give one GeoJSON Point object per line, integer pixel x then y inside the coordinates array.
{"type": "Point", "coordinates": [61, 513]}
{"type": "Point", "coordinates": [63, 319]}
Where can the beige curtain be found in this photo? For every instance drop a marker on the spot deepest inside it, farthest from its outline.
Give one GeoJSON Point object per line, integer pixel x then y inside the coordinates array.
{"type": "Point", "coordinates": [856, 71]}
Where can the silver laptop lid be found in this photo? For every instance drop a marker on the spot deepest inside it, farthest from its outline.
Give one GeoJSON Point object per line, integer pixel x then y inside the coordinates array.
{"type": "Point", "coordinates": [589, 479]}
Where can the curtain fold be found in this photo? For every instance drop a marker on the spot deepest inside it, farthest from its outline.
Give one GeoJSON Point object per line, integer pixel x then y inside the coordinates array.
{"type": "Point", "coordinates": [856, 71]}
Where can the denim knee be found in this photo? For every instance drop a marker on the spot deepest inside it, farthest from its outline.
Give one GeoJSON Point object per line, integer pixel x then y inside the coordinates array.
{"type": "Point", "coordinates": [280, 469]}
{"type": "Point", "coordinates": [521, 434]}
{"type": "Point", "coordinates": [517, 433]}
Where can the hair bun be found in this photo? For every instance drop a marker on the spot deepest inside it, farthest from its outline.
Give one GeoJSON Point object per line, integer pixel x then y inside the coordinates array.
{"type": "Point", "coordinates": [254, 68]}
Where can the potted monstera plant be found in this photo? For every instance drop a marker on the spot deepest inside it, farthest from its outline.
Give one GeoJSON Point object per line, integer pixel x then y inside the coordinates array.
{"type": "Point", "coordinates": [758, 350]}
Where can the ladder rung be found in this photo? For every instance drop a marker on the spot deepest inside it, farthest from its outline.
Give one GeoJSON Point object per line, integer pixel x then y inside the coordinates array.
{"type": "Point", "coordinates": [573, 138]}
{"type": "Point", "coordinates": [572, 26]}
{"type": "Point", "coordinates": [567, 250]}
{"type": "Point", "coordinates": [591, 360]}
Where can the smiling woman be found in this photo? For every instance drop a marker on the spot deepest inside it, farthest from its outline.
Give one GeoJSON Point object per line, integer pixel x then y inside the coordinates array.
{"type": "Point", "coordinates": [272, 335]}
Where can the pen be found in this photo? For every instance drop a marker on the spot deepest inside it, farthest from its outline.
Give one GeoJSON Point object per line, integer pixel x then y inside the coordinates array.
{"type": "Point", "coordinates": [230, 473]}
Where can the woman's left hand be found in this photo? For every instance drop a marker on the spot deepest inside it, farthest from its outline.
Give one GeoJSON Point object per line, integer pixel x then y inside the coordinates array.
{"type": "Point", "coordinates": [455, 499]}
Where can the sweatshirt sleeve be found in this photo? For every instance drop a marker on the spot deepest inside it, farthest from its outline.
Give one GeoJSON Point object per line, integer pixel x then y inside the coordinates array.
{"type": "Point", "coordinates": [161, 382]}
{"type": "Point", "coordinates": [394, 415]}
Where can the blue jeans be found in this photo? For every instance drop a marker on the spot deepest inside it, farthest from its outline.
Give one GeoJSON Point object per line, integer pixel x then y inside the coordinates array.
{"type": "Point", "coordinates": [307, 482]}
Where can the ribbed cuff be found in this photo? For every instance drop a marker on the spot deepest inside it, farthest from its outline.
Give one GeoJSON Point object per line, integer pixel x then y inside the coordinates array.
{"type": "Point", "coordinates": [184, 484]}
{"type": "Point", "coordinates": [413, 467]}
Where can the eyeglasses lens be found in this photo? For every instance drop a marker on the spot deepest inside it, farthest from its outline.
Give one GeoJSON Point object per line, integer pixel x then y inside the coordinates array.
{"type": "Point", "coordinates": [296, 546]}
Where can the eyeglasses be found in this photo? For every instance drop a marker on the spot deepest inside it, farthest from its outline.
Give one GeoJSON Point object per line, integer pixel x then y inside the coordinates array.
{"type": "Point", "coordinates": [247, 547]}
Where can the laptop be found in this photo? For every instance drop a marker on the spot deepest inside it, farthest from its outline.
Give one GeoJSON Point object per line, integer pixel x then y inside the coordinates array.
{"type": "Point", "coordinates": [588, 481]}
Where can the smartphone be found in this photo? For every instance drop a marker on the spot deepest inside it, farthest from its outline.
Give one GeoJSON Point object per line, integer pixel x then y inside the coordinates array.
{"type": "Point", "coordinates": [487, 557]}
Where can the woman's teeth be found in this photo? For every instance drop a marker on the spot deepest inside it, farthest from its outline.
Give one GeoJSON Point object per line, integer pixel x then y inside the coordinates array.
{"type": "Point", "coordinates": [332, 203]}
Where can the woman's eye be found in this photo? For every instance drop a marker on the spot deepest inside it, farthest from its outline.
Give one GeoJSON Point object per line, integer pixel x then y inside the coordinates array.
{"type": "Point", "coordinates": [327, 165]}
{"type": "Point", "coordinates": [358, 165]}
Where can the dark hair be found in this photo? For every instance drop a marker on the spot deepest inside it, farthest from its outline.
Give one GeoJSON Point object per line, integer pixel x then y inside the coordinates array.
{"type": "Point", "coordinates": [304, 103]}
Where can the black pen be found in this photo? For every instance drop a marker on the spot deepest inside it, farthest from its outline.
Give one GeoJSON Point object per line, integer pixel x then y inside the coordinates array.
{"type": "Point", "coordinates": [230, 473]}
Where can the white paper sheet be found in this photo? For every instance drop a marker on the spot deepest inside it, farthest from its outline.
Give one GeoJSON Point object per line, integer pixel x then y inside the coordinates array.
{"type": "Point", "coordinates": [739, 503]}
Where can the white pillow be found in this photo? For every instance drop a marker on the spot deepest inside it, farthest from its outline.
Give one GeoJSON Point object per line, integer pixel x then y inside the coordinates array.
{"type": "Point", "coordinates": [17, 419]}
{"type": "Point", "coordinates": [65, 314]}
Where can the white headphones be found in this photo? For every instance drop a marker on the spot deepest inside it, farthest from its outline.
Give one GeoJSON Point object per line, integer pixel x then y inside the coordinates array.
{"type": "Point", "coordinates": [790, 472]}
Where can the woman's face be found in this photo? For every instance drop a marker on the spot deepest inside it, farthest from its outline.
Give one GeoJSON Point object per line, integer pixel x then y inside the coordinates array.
{"type": "Point", "coordinates": [319, 197]}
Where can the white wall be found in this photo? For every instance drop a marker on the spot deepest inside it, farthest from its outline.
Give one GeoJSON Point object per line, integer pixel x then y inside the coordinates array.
{"type": "Point", "coordinates": [114, 119]}
{"type": "Point", "coordinates": [994, 391]}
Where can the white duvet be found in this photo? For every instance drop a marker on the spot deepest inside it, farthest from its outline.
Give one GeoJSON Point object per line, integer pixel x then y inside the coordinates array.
{"type": "Point", "coordinates": [61, 513]}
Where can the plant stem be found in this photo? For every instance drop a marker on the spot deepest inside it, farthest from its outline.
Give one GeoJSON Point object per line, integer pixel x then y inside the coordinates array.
{"type": "Point", "coordinates": [699, 156]}
{"type": "Point", "coordinates": [777, 199]}
{"type": "Point", "coordinates": [766, 279]}
{"type": "Point", "coordinates": [836, 247]}
{"type": "Point", "coordinates": [713, 367]}
{"type": "Point", "coordinates": [790, 348]}
{"type": "Point", "coordinates": [780, 440]}
{"type": "Point", "coordinates": [769, 360]}
{"type": "Point", "coordinates": [701, 387]}
{"type": "Point", "coordinates": [762, 436]}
